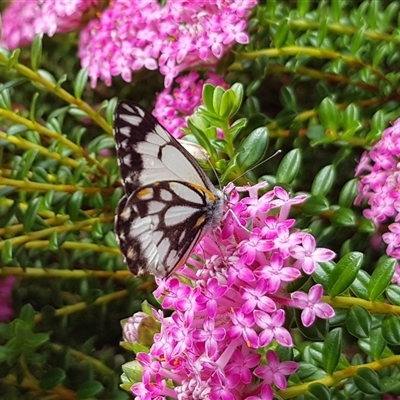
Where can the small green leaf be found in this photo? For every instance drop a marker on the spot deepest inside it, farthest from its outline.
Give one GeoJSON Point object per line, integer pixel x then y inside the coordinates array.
{"type": "Point", "coordinates": [289, 167]}
{"type": "Point", "coordinates": [237, 89]}
{"type": "Point", "coordinates": [360, 286]}
{"type": "Point", "coordinates": [344, 217]}
{"type": "Point", "coordinates": [7, 252]}
{"type": "Point", "coordinates": [323, 181]}
{"type": "Point", "coordinates": [348, 193]}
{"type": "Point", "coordinates": [36, 52]}
{"type": "Point", "coordinates": [52, 378]}
{"type": "Point", "coordinates": [315, 205]}
{"type": "Point", "coordinates": [282, 33]}
{"type": "Point", "coordinates": [90, 389]}
{"type": "Point", "coordinates": [393, 294]}
{"type": "Point", "coordinates": [13, 59]}
{"type": "Point", "coordinates": [53, 241]}
{"type": "Point", "coordinates": [329, 115]}
{"type": "Point", "coordinates": [253, 149]}
{"type": "Point", "coordinates": [344, 273]}
{"type": "Point", "coordinates": [217, 100]}
{"type": "Point", "coordinates": [30, 214]}
{"type": "Point", "coordinates": [80, 82]}
{"type": "Point", "coordinates": [97, 230]}
{"type": "Point", "coordinates": [381, 277]}
{"type": "Point", "coordinates": [317, 391]}
{"type": "Point", "coordinates": [391, 329]}
{"type": "Point", "coordinates": [303, 6]}
{"type": "Point", "coordinates": [37, 339]}
{"type": "Point", "coordinates": [331, 350]}
{"type": "Point", "coordinates": [75, 204]}
{"type": "Point", "coordinates": [208, 95]}
{"type": "Point", "coordinates": [359, 322]}
{"type": "Point", "coordinates": [367, 381]}
{"type": "Point", "coordinates": [110, 109]}
{"type": "Point", "coordinates": [27, 314]}
{"type": "Point", "coordinates": [374, 345]}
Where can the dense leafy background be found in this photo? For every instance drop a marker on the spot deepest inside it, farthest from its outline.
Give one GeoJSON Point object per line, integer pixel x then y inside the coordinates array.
{"type": "Point", "coordinates": [322, 77]}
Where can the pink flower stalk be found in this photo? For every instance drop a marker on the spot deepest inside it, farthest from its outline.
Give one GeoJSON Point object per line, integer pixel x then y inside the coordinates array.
{"type": "Point", "coordinates": [6, 287]}
{"type": "Point", "coordinates": [130, 35]}
{"type": "Point", "coordinates": [229, 302]}
{"type": "Point", "coordinates": [22, 20]}
{"type": "Point", "coordinates": [379, 186]}
{"type": "Point", "coordinates": [176, 103]}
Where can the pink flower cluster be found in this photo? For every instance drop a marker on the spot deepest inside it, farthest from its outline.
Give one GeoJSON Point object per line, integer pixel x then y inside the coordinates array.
{"type": "Point", "coordinates": [379, 169]}
{"type": "Point", "coordinates": [173, 105]}
{"type": "Point", "coordinates": [230, 302]}
{"type": "Point", "coordinates": [22, 20]}
{"type": "Point", "coordinates": [6, 306]}
{"type": "Point", "coordinates": [130, 35]}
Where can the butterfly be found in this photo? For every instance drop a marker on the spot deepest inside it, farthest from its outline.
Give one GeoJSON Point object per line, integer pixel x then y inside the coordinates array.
{"type": "Point", "coordinates": [169, 202]}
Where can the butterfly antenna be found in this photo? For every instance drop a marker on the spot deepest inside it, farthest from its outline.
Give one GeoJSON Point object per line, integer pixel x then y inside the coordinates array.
{"type": "Point", "coordinates": [257, 165]}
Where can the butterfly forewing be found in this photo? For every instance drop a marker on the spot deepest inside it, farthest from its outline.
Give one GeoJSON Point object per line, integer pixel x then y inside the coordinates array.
{"type": "Point", "coordinates": [169, 202]}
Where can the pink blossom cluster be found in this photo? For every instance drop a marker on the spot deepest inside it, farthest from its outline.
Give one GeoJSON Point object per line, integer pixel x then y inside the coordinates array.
{"type": "Point", "coordinates": [379, 185]}
{"type": "Point", "coordinates": [176, 103]}
{"type": "Point", "coordinates": [6, 306]}
{"type": "Point", "coordinates": [130, 35]}
{"type": "Point", "coordinates": [22, 20]}
{"type": "Point", "coordinates": [229, 302]}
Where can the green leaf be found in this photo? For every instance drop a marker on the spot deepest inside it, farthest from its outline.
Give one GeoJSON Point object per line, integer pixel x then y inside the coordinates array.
{"type": "Point", "coordinates": [253, 149]}
{"type": "Point", "coordinates": [217, 100]}
{"type": "Point", "coordinates": [331, 350]}
{"type": "Point", "coordinates": [27, 314]}
{"type": "Point", "coordinates": [282, 33]}
{"type": "Point", "coordinates": [393, 294]}
{"type": "Point", "coordinates": [391, 329]}
{"type": "Point", "coordinates": [237, 89]}
{"type": "Point", "coordinates": [53, 241]}
{"type": "Point", "coordinates": [302, 7]}
{"type": "Point", "coordinates": [367, 381]}
{"type": "Point", "coordinates": [329, 114]}
{"type": "Point", "coordinates": [37, 339]}
{"type": "Point", "coordinates": [7, 252]}
{"type": "Point", "coordinates": [360, 286]}
{"type": "Point", "coordinates": [110, 109]}
{"type": "Point", "coordinates": [208, 95]}
{"type": "Point", "coordinates": [348, 193]}
{"type": "Point", "coordinates": [323, 181]}
{"type": "Point", "coordinates": [344, 273]}
{"type": "Point", "coordinates": [374, 345]}
{"type": "Point", "coordinates": [381, 277]}
{"type": "Point", "coordinates": [90, 389]}
{"type": "Point", "coordinates": [36, 52]}
{"type": "Point", "coordinates": [315, 205]}
{"type": "Point", "coordinates": [80, 82]}
{"type": "Point", "coordinates": [31, 214]}
{"type": "Point", "coordinates": [52, 378]}
{"type": "Point", "coordinates": [344, 217]}
{"type": "Point", "coordinates": [317, 391]}
{"type": "Point", "coordinates": [359, 321]}
{"type": "Point", "coordinates": [13, 59]}
{"type": "Point", "coordinates": [74, 205]}
{"type": "Point", "coordinates": [289, 167]}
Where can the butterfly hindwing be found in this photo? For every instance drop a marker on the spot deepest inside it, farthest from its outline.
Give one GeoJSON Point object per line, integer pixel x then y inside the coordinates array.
{"type": "Point", "coordinates": [169, 202]}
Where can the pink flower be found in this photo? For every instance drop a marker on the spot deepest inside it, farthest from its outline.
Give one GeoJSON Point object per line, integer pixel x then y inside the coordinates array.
{"type": "Point", "coordinates": [274, 372]}
{"type": "Point", "coordinates": [379, 187]}
{"type": "Point", "coordinates": [173, 38]}
{"type": "Point", "coordinates": [307, 255]}
{"type": "Point", "coordinates": [6, 304]}
{"type": "Point", "coordinates": [228, 306]}
{"type": "Point", "coordinates": [312, 306]}
{"type": "Point", "coordinates": [22, 20]}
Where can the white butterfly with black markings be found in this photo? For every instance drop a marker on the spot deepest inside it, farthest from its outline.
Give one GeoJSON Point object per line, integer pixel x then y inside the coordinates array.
{"type": "Point", "coordinates": [169, 202]}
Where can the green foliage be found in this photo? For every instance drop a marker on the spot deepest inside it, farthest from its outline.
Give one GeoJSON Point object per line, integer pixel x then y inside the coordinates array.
{"type": "Point", "coordinates": [318, 82]}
